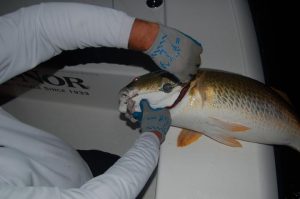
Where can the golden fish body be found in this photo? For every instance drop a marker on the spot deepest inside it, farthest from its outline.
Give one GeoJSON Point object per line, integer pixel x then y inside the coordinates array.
{"type": "Point", "coordinates": [223, 106]}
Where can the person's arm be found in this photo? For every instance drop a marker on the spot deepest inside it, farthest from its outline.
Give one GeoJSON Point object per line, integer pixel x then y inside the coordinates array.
{"type": "Point", "coordinates": [34, 34]}
{"type": "Point", "coordinates": [124, 180]}
{"type": "Point", "coordinates": [30, 156]}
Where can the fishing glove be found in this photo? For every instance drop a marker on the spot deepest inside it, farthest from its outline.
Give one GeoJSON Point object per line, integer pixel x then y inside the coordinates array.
{"type": "Point", "coordinates": [154, 120]}
{"type": "Point", "coordinates": [176, 53]}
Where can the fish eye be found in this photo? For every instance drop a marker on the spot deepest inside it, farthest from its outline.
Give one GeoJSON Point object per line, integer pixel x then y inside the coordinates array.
{"type": "Point", "coordinates": [167, 88]}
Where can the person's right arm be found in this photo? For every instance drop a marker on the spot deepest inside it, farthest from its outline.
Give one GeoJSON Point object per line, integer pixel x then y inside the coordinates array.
{"type": "Point", "coordinates": [34, 34]}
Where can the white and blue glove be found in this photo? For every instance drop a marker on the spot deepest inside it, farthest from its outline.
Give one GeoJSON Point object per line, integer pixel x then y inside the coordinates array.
{"type": "Point", "coordinates": [176, 53]}
{"type": "Point", "coordinates": [153, 120]}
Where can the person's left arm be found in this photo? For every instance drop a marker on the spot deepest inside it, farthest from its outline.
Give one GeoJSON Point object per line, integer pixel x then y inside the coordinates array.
{"type": "Point", "coordinates": [31, 156]}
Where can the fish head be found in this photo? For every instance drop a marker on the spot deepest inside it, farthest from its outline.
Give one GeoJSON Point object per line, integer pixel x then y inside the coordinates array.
{"type": "Point", "coordinates": [160, 88]}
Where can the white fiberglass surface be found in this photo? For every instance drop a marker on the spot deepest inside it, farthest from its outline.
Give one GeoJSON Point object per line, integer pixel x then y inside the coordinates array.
{"type": "Point", "coordinates": [84, 117]}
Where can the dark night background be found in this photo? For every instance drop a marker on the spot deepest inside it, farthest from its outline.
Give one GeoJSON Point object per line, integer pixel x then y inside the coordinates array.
{"type": "Point", "coordinates": [275, 23]}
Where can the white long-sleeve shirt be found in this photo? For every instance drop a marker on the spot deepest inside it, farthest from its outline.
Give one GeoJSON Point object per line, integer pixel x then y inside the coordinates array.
{"type": "Point", "coordinates": [35, 164]}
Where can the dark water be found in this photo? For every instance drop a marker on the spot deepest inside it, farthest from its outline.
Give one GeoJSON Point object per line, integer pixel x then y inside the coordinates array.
{"type": "Point", "coordinates": [276, 24]}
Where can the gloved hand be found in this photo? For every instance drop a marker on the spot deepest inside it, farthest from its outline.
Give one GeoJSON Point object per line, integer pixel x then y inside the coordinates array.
{"type": "Point", "coordinates": [153, 120]}
{"type": "Point", "coordinates": [176, 53]}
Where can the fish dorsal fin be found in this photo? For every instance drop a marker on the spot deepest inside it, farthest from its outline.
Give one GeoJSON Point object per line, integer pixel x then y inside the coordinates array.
{"type": "Point", "coordinates": [187, 137]}
{"type": "Point", "coordinates": [229, 141]}
{"type": "Point", "coordinates": [230, 126]}
{"type": "Point", "coordinates": [282, 94]}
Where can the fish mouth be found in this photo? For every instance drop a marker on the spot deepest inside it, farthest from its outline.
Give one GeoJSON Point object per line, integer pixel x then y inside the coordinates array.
{"type": "Point", "coordinates": [130, 109]}
{"type": "Point", "coordinates": [127, 103]}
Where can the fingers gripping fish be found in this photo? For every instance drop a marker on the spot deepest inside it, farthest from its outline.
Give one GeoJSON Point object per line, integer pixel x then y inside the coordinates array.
{"type": "Point", "coordinates": [223, 106]}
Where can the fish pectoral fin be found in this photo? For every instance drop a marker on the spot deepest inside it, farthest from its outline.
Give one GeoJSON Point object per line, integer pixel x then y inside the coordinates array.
{"type": "Point", "coordinates": [187, 137]}
{"type": "Point", "coordinates": [230, 126]}
{"type": "Point", "coordinates": [229, 141]}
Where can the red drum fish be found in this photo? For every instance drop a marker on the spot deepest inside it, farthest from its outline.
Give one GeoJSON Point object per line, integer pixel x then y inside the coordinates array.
{"type": "Point", "coordinates": [224, 106]}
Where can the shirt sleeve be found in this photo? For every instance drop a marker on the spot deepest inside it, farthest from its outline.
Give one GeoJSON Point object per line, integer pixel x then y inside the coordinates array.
{"type": "Point", "coordinates": [124, 180]}
{"type": "Point", "coordinates": [34, 34]}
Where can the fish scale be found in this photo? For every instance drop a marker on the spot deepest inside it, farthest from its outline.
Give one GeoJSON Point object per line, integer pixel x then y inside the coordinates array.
{"type": "Point", "coordinates": [240, 93]}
